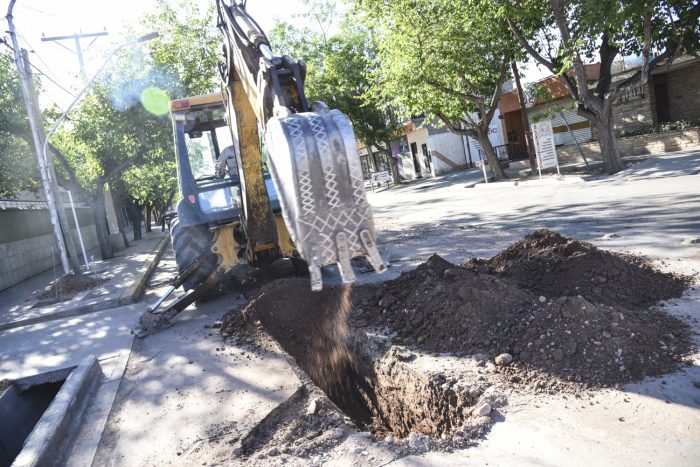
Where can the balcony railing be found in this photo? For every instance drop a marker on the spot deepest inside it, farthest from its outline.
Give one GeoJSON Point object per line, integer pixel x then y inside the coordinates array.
{"type": "Point", "coordinates": [509, 152]}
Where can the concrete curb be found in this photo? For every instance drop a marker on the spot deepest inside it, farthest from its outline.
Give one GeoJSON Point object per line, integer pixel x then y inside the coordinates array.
{"type": "Point", "coordinates": [127, 297]}
{"type": "Point", "coordinates": [133, 291]}
{"type": "Point", "coordinates": [44, 443]}
{"type": "Point", "coordinates": [556, 180]}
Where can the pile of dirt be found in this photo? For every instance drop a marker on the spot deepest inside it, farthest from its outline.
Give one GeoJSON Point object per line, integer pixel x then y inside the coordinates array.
{"type": "Point", "coordinates": [549, 313]}
{"type": "Point", "coordinates": [69, 285]}
{"type": "Point", "coordinates": [548, 263]}
{"type": "Point", "coordinates": [306, 425]}
{"type": "Point", "coordinates": [533, 311]}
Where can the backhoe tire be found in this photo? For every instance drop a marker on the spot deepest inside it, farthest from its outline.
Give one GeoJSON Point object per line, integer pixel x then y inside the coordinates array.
{"type": "Point", "coordinates": [189, 243]}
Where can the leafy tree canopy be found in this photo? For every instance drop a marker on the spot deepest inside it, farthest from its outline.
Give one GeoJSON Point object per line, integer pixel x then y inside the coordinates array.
{"type": "Point", "coordinates": [340, 56]}
{"type": "Point", "coordinates": [564, 35]}
{"type": "Point", "coordinates": [443, 58]}
{"type": "Point", "coordinates": [18, 168]}
{"type": "Point", "coordinates": [123, 124]}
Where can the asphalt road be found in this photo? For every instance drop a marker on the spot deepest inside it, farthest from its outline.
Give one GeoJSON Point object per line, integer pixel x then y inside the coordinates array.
{"type": "Point", "coordinates": [181, 399]}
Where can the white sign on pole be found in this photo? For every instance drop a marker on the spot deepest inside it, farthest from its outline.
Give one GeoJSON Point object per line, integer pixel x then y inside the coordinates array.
{"type": "Point", "coordinates": [544, 145]}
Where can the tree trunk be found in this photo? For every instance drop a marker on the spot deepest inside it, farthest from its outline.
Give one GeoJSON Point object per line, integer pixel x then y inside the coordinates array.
{"type": "Point", "coordinates": [118, 207]}
{"type": "Point", "coordinates": [100, 215]}
{"type": "Point", "coordinates": [608, 143]}
{"type": "Point", "coordinates": [393, 162]}
{"type": "Point", "coordinates": [491, 157]}
{"type": "Point", "coordinates": [147, 207]}
{"type": "Point", "coordinates": [134, 212]}
{"type": "Point", "coordinates": [525, 120]}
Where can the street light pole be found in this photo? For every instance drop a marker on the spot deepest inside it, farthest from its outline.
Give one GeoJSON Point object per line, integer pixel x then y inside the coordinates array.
{"type": "Point", "coordinates": [34, 122]}
{"type": "Point", "coordinates": [144, 38]}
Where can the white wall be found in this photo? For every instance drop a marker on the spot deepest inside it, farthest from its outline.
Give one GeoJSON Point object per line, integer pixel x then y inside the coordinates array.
{"type": "Point", "coordinates": [450, 146]}
{"type": "Point", "coordinates": [496, 136]}
{"type": "Point", "coordinates": [420, 137]}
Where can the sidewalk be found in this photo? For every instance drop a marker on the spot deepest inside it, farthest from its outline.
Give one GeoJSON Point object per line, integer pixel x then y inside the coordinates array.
{"type": "Point", "coordinates": [123, 276]}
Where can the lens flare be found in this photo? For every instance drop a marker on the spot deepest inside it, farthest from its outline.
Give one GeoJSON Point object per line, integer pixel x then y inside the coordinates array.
{"type": "Point", "coordinates": [155, 100]}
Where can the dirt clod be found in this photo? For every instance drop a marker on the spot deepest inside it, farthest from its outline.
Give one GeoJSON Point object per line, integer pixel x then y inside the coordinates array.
{"type": "Point", "coordinates": [483, 410]}
{"type": "Point", "coordinates": [69, 285]}
{"type": "Point", "coordinates": [504, 359]}
{"type": "Point", "coordinates": [550, 264]}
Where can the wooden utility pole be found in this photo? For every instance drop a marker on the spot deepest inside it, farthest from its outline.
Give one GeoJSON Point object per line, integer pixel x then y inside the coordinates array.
{"type": "Point", "coordinates": [48, 167]}
{"type": "Point", "coordinates": [78, 49]}
{"type": "Point", "coordinates": [33, 126]}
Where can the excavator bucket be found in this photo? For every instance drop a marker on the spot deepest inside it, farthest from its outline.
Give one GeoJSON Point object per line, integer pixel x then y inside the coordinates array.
{"type": "Point", "coordinates": [316, 170]}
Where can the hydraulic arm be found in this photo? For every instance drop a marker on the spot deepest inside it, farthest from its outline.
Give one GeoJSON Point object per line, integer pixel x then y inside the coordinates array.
{"type": "Point", "coordinates": [313, 157]}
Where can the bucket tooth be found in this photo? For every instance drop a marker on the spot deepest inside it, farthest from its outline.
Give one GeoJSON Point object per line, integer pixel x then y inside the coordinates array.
{"type": "Point", "coordinates": [373, 255]}
{"type": "Point", "coordinates": [316, 280]}
{"type": "Point", "coordinates": [316, 170]}
{"type": "Point", "coordinates": [346, 272]}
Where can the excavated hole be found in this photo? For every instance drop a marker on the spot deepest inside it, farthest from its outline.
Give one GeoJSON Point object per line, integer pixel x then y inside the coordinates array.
{"type": "Point", "coordinates": [380, 393]}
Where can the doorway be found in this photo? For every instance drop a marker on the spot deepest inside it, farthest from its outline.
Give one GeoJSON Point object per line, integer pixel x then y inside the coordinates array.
{"type": "Point", "coordinates": [416, 163]}
{"type": "Point", "coordinates": [426, 158]}
{"type": "Point", "coordinates": [663, 111]}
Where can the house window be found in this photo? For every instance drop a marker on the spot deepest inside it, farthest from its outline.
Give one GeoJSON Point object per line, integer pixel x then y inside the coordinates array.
{"type": "Point", "coordinates": [632, 94]}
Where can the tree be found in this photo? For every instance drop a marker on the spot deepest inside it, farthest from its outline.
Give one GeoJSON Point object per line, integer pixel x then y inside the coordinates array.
{"type": "Point", "coordinates": [18, 168]}
{"type": "Point", "coordinates": [564, 35]}
{"type": "Point", "coordinates": [444, 58]}
{"type": "Point", "coordinates": [102, 144]}
{"type": "Point", "coordinates": [339, 72]}
{"type": "Point", "coordinates": [349, 60]}
{"type": "Point", "coordinates": [121, 132]}
{"type": "Point", "coordinates": [182, 63]}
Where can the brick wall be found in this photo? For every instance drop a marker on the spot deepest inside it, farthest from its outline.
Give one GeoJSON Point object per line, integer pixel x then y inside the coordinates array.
{"type": "Point", "coordinates": [26, 242]}
{"type": "Point", "coordinates": [633, 112]}
{"type": "Point", "coordinates": [684, 92]}
{"type": "Point", "coordinates": [654, 143]}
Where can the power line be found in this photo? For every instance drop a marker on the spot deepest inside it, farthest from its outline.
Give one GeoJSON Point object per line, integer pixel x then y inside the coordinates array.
{"type": "Point", "coordinates": [78, 48]}
{"type": "Point", "coordinates": [33, 50]}
{"type": "Point", "coordinates": [46, 13]}
{"type": "Point", "coordinates": [39, 70]}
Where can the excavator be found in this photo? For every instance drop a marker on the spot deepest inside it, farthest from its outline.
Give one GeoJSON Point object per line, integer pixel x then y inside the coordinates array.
{"type": "Point", "coordinates": [264, 175]}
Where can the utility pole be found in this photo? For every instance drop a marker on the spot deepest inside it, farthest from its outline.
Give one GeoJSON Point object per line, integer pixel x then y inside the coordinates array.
{"type": "Point", "coordinates": [48, 164]}
{"type": "Point", "coordinates": [38, 143]}
{"type": "Point", "coordinates": [78, 49]}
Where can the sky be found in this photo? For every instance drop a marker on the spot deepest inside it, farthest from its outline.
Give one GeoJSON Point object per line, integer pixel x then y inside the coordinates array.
{"type": "Point", "coordinates": [36, 18]}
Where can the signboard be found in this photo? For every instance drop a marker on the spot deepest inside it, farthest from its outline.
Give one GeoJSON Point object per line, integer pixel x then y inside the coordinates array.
{"type": "Point", "coordinates": [382, 177]}
{"type": "Point", "coordinates": [377, 178]}
{"type": "Point", "coordinates": [544, 145]}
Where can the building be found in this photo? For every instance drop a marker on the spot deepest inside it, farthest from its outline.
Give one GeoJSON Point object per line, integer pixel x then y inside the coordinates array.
{"type": "Point", "coordinates": [557, 106]}
{"type": "Point", "coordinates": [671, 94]}
{"type": "Point", "coordinates": [373, 160]}
{"type": "Point", "coordinates": [428, 148]}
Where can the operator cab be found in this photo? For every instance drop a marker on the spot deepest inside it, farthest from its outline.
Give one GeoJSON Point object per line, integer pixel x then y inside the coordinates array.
{"type": "Point", "coordinates": [208, 162]}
